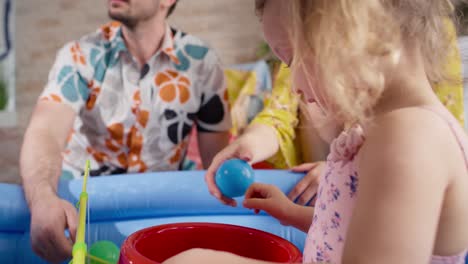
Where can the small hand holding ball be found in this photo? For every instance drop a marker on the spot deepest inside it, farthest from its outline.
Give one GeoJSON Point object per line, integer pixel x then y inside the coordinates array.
{"type": "Point", "coordinates": [234, 177]}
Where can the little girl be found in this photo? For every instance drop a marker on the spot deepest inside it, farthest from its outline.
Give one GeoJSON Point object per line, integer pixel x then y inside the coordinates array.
{"type": "Point", "coordinates": [394, 189]}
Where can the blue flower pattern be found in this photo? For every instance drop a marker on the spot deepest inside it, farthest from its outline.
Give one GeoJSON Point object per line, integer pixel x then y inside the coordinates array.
{"type": "Point", "coordinates": [320, 254]}
{"type": "Point", "coordinates": [333, 193]}
{"type": "Point", "coordinates": [335, 221]}
{"type": "Point", "coordinates": [352, 184]}
{"type": "Point", "coordinates": [73, 86]}
{"type": "Point", "coordinates": [102, 59]}
{"type": "Point", "coordinates": [193, 51]}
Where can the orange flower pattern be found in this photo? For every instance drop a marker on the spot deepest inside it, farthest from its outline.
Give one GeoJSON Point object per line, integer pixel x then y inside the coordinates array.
{"type": "Point", "coordinates": [110, 30]}
{"type": "Point", "coordinates": [141, 115]}
{"type": "Point", "coordinates": [77, 54]}
{"type": "Point", "coordinates": [119, 141]}
{"type": "Point", "coordinates": [177, 157]}
{"type": "Point", "coordinates": [173, 85]}
{"type": "Point", "coordinates": [94, 92]}
{"type": "Point", "coordinates": [52, 97]}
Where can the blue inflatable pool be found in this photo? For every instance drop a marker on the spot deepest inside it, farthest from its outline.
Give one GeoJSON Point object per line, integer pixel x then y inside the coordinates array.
{"type": "Point", "coordinates": [121, 205]}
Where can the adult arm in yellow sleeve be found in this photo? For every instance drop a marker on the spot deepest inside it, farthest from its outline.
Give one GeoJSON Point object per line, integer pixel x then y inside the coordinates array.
{"type": "Point", "coordinates": [280, 117]}
{"type": "Point", "coordinates": [450, 93]}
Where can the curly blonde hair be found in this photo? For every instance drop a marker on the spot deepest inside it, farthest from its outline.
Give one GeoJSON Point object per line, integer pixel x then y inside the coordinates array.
{"type": "Point", "coordinates": [347, 39]}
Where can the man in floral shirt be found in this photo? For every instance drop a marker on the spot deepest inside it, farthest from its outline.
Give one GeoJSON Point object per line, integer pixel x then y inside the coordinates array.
{"type": "Point", "coordinates": [126, 98]}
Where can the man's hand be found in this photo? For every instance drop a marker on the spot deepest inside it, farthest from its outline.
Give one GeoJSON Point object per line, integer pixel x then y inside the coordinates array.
{"type": "Point", "coordinates": [50, 216]}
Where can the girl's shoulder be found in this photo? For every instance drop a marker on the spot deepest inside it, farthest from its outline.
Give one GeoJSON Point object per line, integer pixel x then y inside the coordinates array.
{"type": "Point", "coordinates": [409, 142]}
{"type": "Point", "coordinates": [412, 124]}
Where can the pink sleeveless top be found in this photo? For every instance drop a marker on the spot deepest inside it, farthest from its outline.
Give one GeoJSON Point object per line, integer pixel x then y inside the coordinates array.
{"type": "Point", "coordinates": [337, 195]}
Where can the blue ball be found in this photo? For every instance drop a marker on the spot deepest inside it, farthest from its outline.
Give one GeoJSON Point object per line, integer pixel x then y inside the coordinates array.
{"type": "Point", "coordinates": [234, 177]}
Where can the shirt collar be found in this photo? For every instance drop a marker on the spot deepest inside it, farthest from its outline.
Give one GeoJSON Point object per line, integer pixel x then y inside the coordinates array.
{"type": "Point", "coordinates": [168, 45]}
{"type": "Point", "coordinates": [113, 34]}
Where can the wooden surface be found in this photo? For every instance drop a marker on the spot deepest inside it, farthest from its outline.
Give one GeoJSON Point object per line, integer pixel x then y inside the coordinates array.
{"type": "Point", "coordinates": [43, 26]}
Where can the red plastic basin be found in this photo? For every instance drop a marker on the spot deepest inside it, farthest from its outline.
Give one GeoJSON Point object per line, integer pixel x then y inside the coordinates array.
{"type": "Point", "coordinates": [156, 244]}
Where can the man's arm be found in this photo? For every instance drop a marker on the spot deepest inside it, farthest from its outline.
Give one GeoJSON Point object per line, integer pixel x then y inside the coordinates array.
{"type": "Point", "coordinates": [44, 140]}
{"type": "Point", "coordinates": [51, 123]}
{"type": "Point", "coordinates": [40, 167]}
{"type": "Point", "coordinates": [41, 156]}
{"type": "Point", "coordinates": [210, 143]}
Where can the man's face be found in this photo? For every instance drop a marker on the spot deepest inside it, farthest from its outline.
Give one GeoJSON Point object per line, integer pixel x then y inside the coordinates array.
{"type": "Point", "coordinates": [130, 12]}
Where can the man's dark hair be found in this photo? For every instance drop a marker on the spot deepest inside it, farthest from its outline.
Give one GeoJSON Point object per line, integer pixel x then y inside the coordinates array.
{"type": "Point", "coordinates": [171, 9]}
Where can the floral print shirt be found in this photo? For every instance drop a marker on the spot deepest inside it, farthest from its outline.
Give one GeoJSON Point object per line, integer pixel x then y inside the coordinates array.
{"type": "Point", "coordinates": [132, 118]}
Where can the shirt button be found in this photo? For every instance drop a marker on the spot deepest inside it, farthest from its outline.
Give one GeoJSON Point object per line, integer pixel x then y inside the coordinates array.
{"type": "Point", "coordinates": [133, 77]}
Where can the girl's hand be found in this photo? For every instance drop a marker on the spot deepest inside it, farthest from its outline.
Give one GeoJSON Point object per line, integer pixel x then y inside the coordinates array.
{"type": "Point", "coordinates": [269, 199]}
{"type": "Point", "coordinates": [305, 191]}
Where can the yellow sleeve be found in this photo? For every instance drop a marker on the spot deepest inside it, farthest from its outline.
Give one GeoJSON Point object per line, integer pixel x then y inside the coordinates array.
{"type": "Point", "coordinates": [451, 93]}
{"type": "Point", "coordinates": [281, 113]}
{"type": "Point", "coordinates": [240, 84]}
